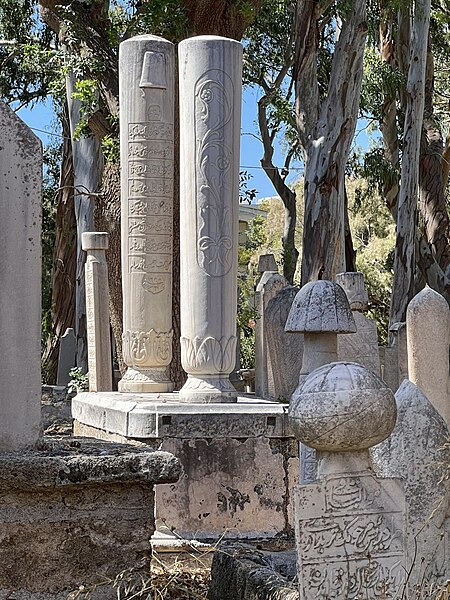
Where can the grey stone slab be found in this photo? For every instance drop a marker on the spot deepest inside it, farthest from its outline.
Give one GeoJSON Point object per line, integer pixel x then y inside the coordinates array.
{"type": "Point", "coordinates": [242, 572]}
{"type": "Point", "coordinates": [67, 356]}
{"type": "Point", "coordinates": [20, 276]}
{"type": "Point", "coordinates": [285, 348]}
{"type": "Point", "coordinates": [119, 413]}
{"type": "Point", "coordinates": [418, 451]}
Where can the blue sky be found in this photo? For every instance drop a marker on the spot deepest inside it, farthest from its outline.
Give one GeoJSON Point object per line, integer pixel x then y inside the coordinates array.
{"type": "Point", "coordinates": [41, 118]}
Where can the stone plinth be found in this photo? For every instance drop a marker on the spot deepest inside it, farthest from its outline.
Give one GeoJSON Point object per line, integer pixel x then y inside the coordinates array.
{"type": "Point", "coordinates": [76, 512]}
{"type": "Point", "coordinates": [20, 276]}
{"type": "Point", "coordinates": [97, 311]}
{"type": "Point", "coordinates": [210, 117]}
{"type": "Point", "coordinates": [240, 459]}
{"type": "Point", "coordinates": [146, 81]}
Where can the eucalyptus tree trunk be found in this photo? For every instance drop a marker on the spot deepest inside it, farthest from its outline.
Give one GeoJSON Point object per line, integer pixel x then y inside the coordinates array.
{"type": "Point", "coordinates": [64, 258]}
{"type": "Point", "coordinates": [288, 196]}
{"type": "Point", "coordinates": [404, 262]}
{"type": "Point", "coordinates": [432, 182]}
{"type": "Point", "coordinates": [326, 130]}
{"type": "Point", "coordinates": [88, 169]}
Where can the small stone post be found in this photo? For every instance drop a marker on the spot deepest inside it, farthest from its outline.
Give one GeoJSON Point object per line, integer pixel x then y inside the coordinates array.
{"type": "Point", "coordinates": [97, 311]}
{"type": "Point", "coordinates": [396, 357]}
{"type": "Point", "coordinates": [20, 277]}
{"type": "Point", "coordinates": [146, 82]}
{"type": "Point", "coordinates": [349, 525]}
{"type": "Point", "coordinates": [210, 117]}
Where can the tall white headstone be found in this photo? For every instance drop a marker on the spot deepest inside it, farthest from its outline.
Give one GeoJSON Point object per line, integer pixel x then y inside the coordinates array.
{"type": "Point", "coordinates": [210, 116]}
{"type": "Point", "coordinates": [146, 79]}
{"type": "Point", "coordinates": [428, 340]}
{"type": "Point", "coordinates": [20, 277]}
{"type": "Point", "coordinates": [97, 311]}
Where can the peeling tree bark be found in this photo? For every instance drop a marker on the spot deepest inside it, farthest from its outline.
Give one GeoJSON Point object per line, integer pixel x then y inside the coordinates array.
{"type": "Point", "coordinates": [288, 196]}
{"type": "Point", "coordinates": [88, 169]}
{"type": "Point", "coordinates": [326, 130]}
{"type": "Point", "coordinates": [64, 258]}
{"type": "Point", "coordinates": [431, 176]}
{"type": "Point", "coordinates": [404, 262]}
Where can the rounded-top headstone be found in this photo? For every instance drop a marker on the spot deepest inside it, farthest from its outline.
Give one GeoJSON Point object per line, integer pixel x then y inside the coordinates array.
{"type": "Point", "coordinates": [342, 407]}
{"type": "Point", "coordinates": [352, 282]}
{"type": "Point", "coordinates": [321, 307]}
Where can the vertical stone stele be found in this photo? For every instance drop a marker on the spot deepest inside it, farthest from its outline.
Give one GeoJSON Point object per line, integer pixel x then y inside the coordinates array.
{"type": "Point", "coordinates": [210, 117]}
{"type": "Point", "coordinates": [97, 312]}
{"type": "Point", "coordinates": [20, 276]}
{"type": "Point", "coordinates": [428, 341]}
{"type": "Point", "coordinates": [146, 82]}
{"type": "Point", "coordinates": [362, 346]}
{"type": "Point", "coordinates": [349, 525]}
{"type": "Point", "coordinates": [269, 285]}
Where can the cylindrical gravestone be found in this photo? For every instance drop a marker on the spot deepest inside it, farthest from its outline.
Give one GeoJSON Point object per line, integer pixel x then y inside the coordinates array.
{"type": "Point", "coordinates": [97, 311]}
{"type": "Point", "coordinates": [210, 118]}
{"type": "Point", "coordinates": [146, 150]}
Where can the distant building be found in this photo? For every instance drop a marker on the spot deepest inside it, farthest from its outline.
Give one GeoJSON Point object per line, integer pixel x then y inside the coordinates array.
{"type": "Point", "coordinates": [247, 212]}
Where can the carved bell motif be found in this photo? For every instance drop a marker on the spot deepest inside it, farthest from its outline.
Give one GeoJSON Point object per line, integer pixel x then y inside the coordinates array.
{"type": "Point", "coordinates": [153, 73]}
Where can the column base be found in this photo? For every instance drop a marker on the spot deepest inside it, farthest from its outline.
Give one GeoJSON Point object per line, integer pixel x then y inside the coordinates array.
{"type": "Point", "coordinates": [208, 390]}
{"type": "Point", "coordinates": [145, 381]}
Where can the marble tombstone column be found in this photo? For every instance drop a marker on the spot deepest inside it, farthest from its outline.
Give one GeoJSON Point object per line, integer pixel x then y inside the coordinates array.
{"type": "Point", "coordinates": [95, 245]}
{"type": "Point", "coordinates": [146, 83]}
{"type": "Point", "coordinates": [210, 115]}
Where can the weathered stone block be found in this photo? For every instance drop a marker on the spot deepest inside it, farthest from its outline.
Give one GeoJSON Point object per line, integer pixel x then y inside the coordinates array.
{"type": "Point", "coordinates": [76, 512]}
{"type": "Point", "coordinates": [240, 460]}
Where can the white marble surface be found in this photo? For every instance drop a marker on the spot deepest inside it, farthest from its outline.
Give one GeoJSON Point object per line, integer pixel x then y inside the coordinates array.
{"type": "Point", "coordinates": [428, 341]}
{"type": "Point", "coordinates": [210, 117]}
{"type": "Point", "coordinates": [146, 80]}
{"type": "Point", "coordinates": [95, 245]}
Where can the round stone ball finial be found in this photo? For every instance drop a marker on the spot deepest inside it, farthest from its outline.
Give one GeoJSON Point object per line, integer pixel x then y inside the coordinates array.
{"type": "Point", "coordinates": [342, 407]}
{"type": "Point", "coordinates": [321, 307]}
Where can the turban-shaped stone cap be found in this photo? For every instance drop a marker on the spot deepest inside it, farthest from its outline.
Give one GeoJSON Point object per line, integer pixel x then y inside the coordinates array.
{"type": "Point", "coordinates": [342, 407]}
{"type": "Point", "coordinates": [321, 307]}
